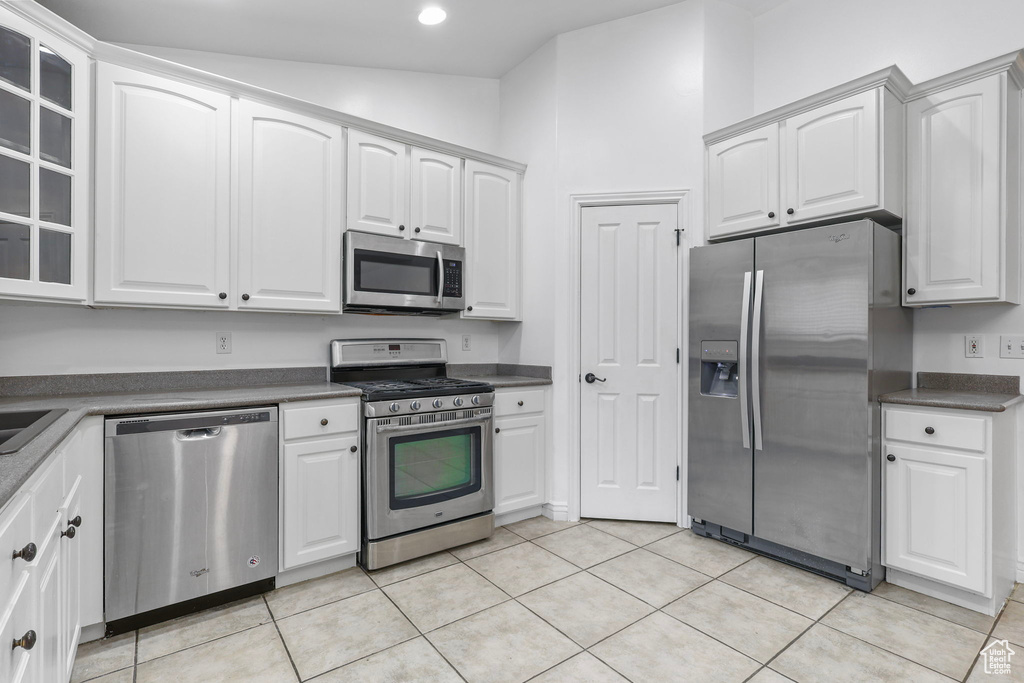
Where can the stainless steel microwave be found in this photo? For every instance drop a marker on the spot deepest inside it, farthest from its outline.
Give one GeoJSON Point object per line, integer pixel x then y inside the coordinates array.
{"type": "Point", "coordinates": [390, 275]}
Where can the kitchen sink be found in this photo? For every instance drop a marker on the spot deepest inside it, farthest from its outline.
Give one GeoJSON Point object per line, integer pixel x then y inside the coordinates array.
{"type": "Point", "coordinates": [18, 428]}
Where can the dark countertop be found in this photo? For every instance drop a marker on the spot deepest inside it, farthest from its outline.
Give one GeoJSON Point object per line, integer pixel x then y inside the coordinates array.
{"type": "Point", "coordinates": [946, 398]}
{"type": "Point", "coordinates": [507, 381]}
{"type": "Point", "coordinates": [15, 469]}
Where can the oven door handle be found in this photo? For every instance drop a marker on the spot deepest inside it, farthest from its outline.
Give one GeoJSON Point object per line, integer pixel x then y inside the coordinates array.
{"type": "Point", "coordinates": [431, 426]}
{"type": "Point", "coordinates": [440, 280]}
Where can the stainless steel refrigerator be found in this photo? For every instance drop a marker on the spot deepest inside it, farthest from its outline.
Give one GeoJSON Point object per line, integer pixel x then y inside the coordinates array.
{"type": "Point", "coordinates": [792, 338]}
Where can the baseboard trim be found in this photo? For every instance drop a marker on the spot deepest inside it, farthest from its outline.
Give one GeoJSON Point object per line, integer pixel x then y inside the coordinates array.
{"type": "Point", "coordinates": [315, 571]}
{"type": "Point", "coordinates": [518, 515]}
{"type": "Point", "coordinates": [558, 512]}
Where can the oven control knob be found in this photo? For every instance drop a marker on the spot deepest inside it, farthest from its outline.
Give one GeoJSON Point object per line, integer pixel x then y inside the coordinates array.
{"type": "Point", "coordinates": [458, 401]}
{"type": "Point", "coordinates": [437, 403]}
{"type": "Point", "coordinates": [476, 400]}
{"type": "Point", "coordinates": [394, 407]}
{"type": "Point", "coordinates": [415, 405]}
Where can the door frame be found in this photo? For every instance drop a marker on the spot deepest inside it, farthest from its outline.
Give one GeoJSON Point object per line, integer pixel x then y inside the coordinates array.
{"type": "Point", "coordinates": [578, 202]}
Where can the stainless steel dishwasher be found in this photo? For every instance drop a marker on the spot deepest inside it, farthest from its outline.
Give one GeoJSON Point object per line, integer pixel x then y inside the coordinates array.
{"type": "Point", "coordinates": [190, 512]}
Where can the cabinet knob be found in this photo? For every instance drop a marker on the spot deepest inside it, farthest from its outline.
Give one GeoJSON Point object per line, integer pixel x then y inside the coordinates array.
{"type": "Point", "coordinates": [27, 641]}
{"type": "Point", "coordinates": [401, 228]}
{"type": "Point", "coordinates": [323, 422]}
{"type": "Point", "coordinates": [222, 296]}
{"type": "Point", "coordinates": [891, 457]}
{"type": "Point", "coordinates": [417, 229]}
{"type": "Point", "coordinates": [929, 430]}
{"type": "Point", "coordinates": [70, 533]}
{"type": "Point", "coordinates": [497, 430]}
{"type": "Point", "coordinates": [353, 448]}
{"type": "Point", "coordinates": [911, 292]}
{"type": "Point", "coordinates": [28, 553]}
{"type": "Point", "coordinates": [469, 308]}
{"type": "Point", "coordinates": [790, 211]}
{"type": "Point", "coordinates": [520, 403]}
{"type": "Point", "coordinates": [245, 297]}
{"type": "Point", "coordinates": [76, 522]}
{"type": "Point", "coordinates": [771, 214]}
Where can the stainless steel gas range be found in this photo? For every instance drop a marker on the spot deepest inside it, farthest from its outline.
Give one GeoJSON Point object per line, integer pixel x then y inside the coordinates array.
{"type": "Point", "coordinates": [427, 462]}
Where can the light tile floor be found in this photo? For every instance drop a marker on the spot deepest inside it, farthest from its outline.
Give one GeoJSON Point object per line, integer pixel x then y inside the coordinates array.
{"type": "Point", "coordinates": [556, 601]}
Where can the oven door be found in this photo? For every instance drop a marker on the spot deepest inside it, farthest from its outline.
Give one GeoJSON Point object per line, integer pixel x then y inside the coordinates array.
{"type": "Point", "coordinates": [389, 273]}
{"type": "Point", "coordinates": [427, 471]}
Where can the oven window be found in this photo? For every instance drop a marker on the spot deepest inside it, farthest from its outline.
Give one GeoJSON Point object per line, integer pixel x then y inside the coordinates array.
{"type": "Point", "coordinates": [431, 468]}
{"type": "Point", "coordinates": [377, 271]}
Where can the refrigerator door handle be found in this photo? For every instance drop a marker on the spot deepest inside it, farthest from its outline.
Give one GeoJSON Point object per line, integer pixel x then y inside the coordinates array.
{"type": "Point", "coordinates": [756, 361]}
{"type": "Point", "coordinates": [744, 329]}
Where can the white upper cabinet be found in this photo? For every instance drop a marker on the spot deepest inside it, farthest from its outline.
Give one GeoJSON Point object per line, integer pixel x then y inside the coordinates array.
{"type": "Point", "coordinates": [493, 249]}
{"type": "Point", "coordinates": [962, 217]}
{"type": "Point", "coordinates": [378, 169]}
{"type": "Point", "coordinates": [835, 155]}
{"type": "Point", "coordinates": [403, 191]}
{"type": "Point", "coordinates": [831, 158]}
{"type": "Point", "coordinates": [290, 181]}
{"type": "Point", "coordinates": [163, 171]}
{"type": "Point", "coordinates": [436, 202]}
{"type": "Point", "coordinates": [44, 163]}
{"type": "Point", "coordinates": [743, 183]}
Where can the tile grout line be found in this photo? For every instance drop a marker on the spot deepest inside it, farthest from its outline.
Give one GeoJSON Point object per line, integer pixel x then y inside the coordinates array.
{"type": "Point", "coordinates": [135, 659]}
{"type": "Point", "coordinates": [995, 623]}
{"type": "Point", "coordinates": [804, 632]}
{"type": "Point", "coordinates": [284, 643]}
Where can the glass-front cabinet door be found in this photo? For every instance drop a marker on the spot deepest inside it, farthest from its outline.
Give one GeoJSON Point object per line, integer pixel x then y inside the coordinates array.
{"type": "Point", "coordinates": [44, 185]}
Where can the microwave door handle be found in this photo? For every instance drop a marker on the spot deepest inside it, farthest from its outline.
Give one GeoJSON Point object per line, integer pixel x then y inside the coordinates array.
{"type": "Point", "coordinates": [440, 280]}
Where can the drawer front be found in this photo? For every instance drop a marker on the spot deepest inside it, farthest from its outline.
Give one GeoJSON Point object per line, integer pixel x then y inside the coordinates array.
{"type": "Point", "coordinates": [938, 429]}
{"type": "Point", "coordinates": [521, 402]}
{"type": "Point", "coordinates": [305, 420]}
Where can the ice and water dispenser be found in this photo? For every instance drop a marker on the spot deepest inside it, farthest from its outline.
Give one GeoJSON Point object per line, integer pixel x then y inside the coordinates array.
{"type": "Point", "coordinates": [719, 368]}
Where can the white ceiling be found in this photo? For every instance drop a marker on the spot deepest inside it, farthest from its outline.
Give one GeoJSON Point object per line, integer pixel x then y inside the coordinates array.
{"type": "Point", "coordinates": [480, 38]}
{"type": "Point", "coordinates": [756, 7]}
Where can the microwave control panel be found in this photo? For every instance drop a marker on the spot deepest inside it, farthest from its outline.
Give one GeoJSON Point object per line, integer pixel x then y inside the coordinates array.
{"type": "Point", "coordinates": [453, 279]}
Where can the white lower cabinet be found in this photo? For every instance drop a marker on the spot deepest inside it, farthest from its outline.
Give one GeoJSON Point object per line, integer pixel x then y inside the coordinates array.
{"type": "Point", "coordinates": [520, 450]}
{"type": "Point", "coordinates": [53, 582]}
{"type": "Point", "coordinates": [319, 481]}
{"type": "Point", "coordinates": [948, 511]}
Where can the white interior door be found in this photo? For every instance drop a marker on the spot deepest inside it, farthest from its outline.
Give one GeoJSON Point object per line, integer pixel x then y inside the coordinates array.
{"type": "Point", "coordinates": [629, 314]}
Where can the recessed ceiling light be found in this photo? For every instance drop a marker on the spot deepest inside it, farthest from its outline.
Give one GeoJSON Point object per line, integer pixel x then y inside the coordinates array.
{"type": "Point", "coordinates": [432, 15]}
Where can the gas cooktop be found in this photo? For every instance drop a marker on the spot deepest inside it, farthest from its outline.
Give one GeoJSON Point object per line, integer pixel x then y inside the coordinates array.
{"type": "Point", "coordinates": [384, 389]}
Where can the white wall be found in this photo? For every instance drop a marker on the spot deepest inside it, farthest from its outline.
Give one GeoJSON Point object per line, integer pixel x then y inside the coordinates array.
{"type": "Point", "coordinates": [728, 64]}
{"type": "Point", "coordinates": [54, 339]}
{"type": "Point", "coordinates": [457, 109]}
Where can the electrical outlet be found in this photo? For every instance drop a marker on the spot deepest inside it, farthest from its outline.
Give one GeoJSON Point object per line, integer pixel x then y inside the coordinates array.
{"type": "Point", "coordinates": [223, 342]}
{"type": "Point", "coordinates": [1011, 347]}
{"type": "Point", "coordinates": [974, 346]}
{"type": "Point", "coordinates": [467, 342]}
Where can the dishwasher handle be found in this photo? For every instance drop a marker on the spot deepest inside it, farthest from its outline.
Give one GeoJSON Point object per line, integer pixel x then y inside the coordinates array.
{"type": "Point", "coordinates": [197, 434]}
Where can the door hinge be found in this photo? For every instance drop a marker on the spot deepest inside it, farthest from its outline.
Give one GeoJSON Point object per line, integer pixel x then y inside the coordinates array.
{"type": "Point", "coordinates": [677, 472]}
{"type": "Point", "coordinates": [678, 353]}
{"type": "Point", "coordinates": [679, 236]}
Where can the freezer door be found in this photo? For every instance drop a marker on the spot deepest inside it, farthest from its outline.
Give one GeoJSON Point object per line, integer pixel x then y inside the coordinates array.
{"type": "Point", "coordinates": [812, 472]}
{"type": "Point", "coordinates": [719, 466]}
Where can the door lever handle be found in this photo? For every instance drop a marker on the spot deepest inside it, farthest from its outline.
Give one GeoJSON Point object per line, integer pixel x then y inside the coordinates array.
{"type": "Point", "coordinates": [590, 378]}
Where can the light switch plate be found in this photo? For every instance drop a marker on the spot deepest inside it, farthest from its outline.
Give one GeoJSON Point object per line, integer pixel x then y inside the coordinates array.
{"type": "Point", "coordinates": [1011, 346]}
{"type": "Point", "coordinates": [974, 346]}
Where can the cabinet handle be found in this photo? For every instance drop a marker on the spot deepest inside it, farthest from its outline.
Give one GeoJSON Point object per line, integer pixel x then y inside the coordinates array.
{"type": "Point", "coordinates": [520, 403]}
{"type": "Point", "coordinates": [929, 430]}
{"type": "Point", "coordinates": [70, 533]}
{"type": "Point", "coordinates": [222, 296]}
{"type": "Point", "coordinates": [77, 521]}
{"type": "Point", "coordinates": [245, 297]}
{"type": "Point", "coordinates": [891, 457]}
{"type": "Point", "coordinates": [497, 430]}
{"type": "Point", "coordinates": [771, 214]}
{"type": "Point", "coordinates": [353, 448]}
{"type": "Point", "coordinates": [911, 291]}
{"type": "Point", "coordinates": [790, 211]}
{"type": "Point", "coordinates": [469, 308]}
{"type": "Point", "coordinates": [323, 422]}
{"type": "Point", "coordinates": [401, 228]}
{"type": "Point", "coordinates": [417, 229]}
{"type": "Point", "coordinates": [27, 641]}
{"type": "Point", "coordinates": [28, 553]}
